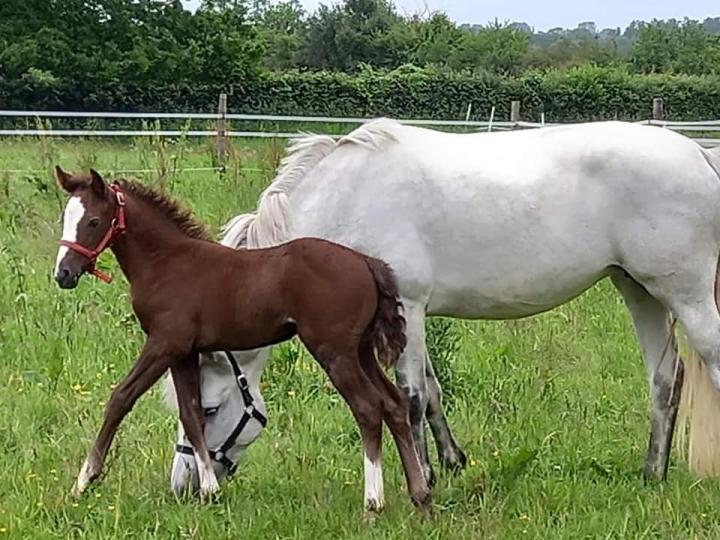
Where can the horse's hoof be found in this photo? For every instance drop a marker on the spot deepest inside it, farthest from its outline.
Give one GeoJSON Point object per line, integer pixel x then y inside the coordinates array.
{"type": "Point", "coordinates": [429, 474]}
{"type": "Point", "coordinates": [454, 461]}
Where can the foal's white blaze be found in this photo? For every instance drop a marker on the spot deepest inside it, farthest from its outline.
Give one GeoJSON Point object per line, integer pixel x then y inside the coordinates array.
{"type": "Point", "coordinates": [374, 488]}
{"type": "Point", "coordinates": [74, 212]}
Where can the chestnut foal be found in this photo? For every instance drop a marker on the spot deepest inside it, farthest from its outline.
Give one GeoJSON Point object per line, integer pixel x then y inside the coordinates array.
{"type": "Point", "coordinates": [192, 295]}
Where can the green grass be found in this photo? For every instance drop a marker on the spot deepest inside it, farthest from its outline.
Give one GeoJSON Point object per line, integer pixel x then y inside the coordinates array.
{"type": "Point", "coordinates": [553, 411]}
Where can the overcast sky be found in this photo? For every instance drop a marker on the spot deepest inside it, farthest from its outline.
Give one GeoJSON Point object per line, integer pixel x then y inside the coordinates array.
{"type": "Point", "coordinates": [545, 14]}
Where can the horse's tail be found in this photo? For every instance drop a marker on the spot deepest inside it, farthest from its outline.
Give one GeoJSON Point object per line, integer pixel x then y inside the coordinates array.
{"type": "Point", "coordinates": [269, 225]}
{"type": "Point", "coordinates": [698, 433]}
{"type": "Point", "coordinates": [386, 333]}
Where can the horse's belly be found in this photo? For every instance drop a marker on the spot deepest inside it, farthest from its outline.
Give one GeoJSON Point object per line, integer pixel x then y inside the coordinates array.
{"type": "Point", "coordinates": [509, 295]}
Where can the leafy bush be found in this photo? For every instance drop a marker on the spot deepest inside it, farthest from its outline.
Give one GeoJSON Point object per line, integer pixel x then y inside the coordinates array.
{"type": "Point", "coordinates": [578, 94]}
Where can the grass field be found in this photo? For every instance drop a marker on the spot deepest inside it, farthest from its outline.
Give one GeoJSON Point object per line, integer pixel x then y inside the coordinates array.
{"type": "Point", "coordinates": [553, 411]}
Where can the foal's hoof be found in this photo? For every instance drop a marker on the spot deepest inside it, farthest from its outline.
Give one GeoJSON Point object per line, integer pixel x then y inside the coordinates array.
{"type": "Point", "coordinates": [374, 506]}
{"type": "Point", "coordinates": [86, 477]}
{"type": "Point", "coordinates": [208, 493]}
{"type": "Point", "coordinates": [77, 489]}
{"type": "Point", "coordinates": [372, 513]}
{"type": "Point", "coordinates": [423, 502]}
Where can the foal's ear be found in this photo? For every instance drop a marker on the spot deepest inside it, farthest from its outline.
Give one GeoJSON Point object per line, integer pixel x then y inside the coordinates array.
{"type": "Point", "coordinates": [97, 183]}
{"type": "Point", "coordinates": [67, 181]}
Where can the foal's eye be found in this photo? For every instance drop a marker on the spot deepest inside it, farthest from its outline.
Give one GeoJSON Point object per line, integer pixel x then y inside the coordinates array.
{"type": "Point", "coordinates": [94, 222]}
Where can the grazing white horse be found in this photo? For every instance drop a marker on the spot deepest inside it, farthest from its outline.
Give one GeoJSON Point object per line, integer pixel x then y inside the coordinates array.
{"type": "Point", "coordinates": [506, 225]}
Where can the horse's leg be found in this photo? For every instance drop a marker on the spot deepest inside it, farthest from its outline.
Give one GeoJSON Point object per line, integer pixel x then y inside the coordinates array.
{"type": "Point", "coordinates": [150, 365]}
{"type": "Point", "coordinates": [396, 417]}
{"type": "Point", "coordinates": [450, 454]}
{"type": "Point", "coordinates": [655, 334]}
{"type": "Point", "coordinates": [186, 377]}
{"type": "Point", "coordinates": [410, 376]}
{"type": "Point", "coordinates": [701, 321]}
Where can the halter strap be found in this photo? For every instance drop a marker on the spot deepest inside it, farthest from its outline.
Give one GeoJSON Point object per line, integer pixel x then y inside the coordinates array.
{"type": "Point", "coordinates": [250, 412]}
{"type": "Point", "coordinates": [116, 229]}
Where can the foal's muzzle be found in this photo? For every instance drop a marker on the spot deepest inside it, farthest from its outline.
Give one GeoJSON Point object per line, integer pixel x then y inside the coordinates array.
{"type": "Point", "coordinates": [67, 279]}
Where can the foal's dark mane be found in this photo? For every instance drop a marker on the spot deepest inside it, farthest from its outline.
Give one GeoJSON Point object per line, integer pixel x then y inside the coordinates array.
{"type": "Point", "coordinates": [173, 210]}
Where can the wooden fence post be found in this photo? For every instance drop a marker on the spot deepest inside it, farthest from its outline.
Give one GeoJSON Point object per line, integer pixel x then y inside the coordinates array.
{"type": "Point", "coordinates": [222, 132]}
{"type": "Point", "coordinates": [658, 109]}
{"type": "Point", "coordinates": [515, 111]}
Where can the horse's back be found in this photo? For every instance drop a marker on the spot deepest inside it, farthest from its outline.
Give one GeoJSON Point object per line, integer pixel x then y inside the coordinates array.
{"type": "Point", "coordinates": [497, 225]}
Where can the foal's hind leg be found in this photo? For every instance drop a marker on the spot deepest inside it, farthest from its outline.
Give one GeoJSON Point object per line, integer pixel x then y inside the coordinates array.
{"type": "Point", "coordinates": [367, 408]}
{"type": "Point", "coordinates": [665, 370]}
{"type": "Point", "coordinates": [397, 419]}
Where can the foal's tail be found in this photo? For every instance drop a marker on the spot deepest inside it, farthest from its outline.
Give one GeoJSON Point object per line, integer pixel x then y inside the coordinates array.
{"type": "Point", "coordinates": [387, 331]}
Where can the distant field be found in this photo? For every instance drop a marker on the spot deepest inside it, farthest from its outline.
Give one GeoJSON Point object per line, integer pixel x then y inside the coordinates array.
{"type": "Point", "coordinates": [553, 411]}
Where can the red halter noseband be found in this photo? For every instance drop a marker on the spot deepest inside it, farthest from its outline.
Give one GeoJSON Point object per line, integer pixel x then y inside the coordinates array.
{"type": "Point", "coordinates": [117, 227]}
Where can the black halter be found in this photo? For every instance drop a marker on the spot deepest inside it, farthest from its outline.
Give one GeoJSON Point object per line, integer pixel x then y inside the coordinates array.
{"type": "Point", "coordinates": [250, 411]}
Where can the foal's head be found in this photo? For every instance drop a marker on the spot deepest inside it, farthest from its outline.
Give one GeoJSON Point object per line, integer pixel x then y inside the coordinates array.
{"type": "Point", "coordinates": [88, 219]}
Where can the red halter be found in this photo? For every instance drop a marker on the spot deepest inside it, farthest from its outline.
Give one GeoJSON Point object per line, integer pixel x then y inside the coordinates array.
{"type": "Point", "coordinates": [117, 227]}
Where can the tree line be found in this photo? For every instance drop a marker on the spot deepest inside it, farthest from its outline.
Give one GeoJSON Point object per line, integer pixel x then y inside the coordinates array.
{"type": "Point", "coordinates": [154, 41]}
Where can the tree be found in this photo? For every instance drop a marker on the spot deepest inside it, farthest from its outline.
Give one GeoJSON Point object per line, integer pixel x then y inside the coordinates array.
{"type": "Point", "coordinates": [352, 33]}
{"type": "Point", "coordinates": [679, 48]}
{"type": "Point", "coordinates": [434, 40]}
{"type": "Point", "coordinates": [280, 28]}
{"type": "Point", "coordinates": [496, 48]}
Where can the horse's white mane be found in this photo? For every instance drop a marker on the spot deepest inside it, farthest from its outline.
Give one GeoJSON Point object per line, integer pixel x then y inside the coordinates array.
{"type": "Point", "coordinates": [269, 225]}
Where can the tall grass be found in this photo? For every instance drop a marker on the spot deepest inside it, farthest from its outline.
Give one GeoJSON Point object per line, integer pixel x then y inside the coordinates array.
{"type": "Point", "coordinates": [553, 411]}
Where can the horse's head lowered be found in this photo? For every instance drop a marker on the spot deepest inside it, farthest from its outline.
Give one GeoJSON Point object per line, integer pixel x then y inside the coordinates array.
{"type": "Point", "coordinates": [235, 414]}
{"type": "Point", "coordinates": [94, 217]}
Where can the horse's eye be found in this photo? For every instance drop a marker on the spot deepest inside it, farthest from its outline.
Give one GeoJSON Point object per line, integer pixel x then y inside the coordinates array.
{"type": "Point", "coordinates": [94, 222]}
{"type": "Point", "coordinates": [209, 411]}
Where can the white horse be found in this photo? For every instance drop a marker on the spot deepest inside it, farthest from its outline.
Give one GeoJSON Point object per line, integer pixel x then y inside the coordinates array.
{"type": "Point", "coordinates": [507, 225]}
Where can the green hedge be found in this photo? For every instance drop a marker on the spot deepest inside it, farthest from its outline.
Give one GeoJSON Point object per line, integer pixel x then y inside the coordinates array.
{"type": "Point", "coordinates": [579, 94]}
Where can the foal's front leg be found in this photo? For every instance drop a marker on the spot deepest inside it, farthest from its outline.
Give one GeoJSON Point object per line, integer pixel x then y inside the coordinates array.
{"type": "Point", "coordinates": [186, 377]}
{"type": "Point", "coordinates": [148, 368]}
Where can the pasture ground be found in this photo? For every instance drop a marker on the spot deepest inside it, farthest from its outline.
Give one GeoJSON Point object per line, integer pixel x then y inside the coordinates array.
{"type": "Point", "coordinates": [553, 411]}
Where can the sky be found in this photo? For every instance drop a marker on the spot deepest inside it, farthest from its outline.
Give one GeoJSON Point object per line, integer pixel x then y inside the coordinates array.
{"type": "Point", "coordinates": [546, 14]}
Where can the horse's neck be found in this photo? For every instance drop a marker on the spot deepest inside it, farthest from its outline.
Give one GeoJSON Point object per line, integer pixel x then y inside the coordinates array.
{"type": "Point", "coordinates": [149, 236]}
{"type": "Point", "coordinates": [253, 364]}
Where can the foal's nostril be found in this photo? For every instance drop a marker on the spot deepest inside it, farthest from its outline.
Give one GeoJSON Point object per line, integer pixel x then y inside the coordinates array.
{"type": "Point", "coordinates": [65, 273]}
